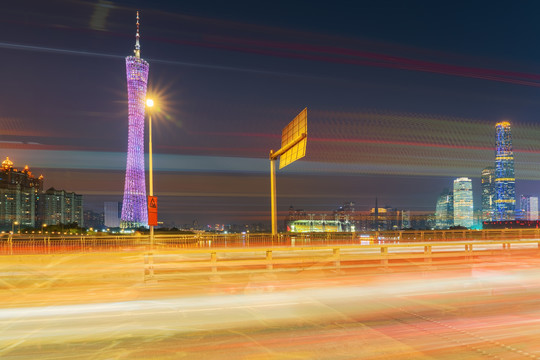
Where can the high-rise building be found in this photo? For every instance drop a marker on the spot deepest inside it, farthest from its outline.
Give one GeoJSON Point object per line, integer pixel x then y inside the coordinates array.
{"type": "Point", "coordinates": [112, 211]}
{"type": "Point", "coordinates": [463, 202]}
{"type": "Point", "coordinates": [444, 212]}
{"type": "Point", "coordinates": [405, 219]}
{"type": "Point", "coordinates": [529, 207]}
{"type": "Point", "coordinates": [488, 193]}
{"type": "Point", "coordinates": [19, 196]}
{"type": "Point", "coordinates": [93, 220]}
{"type": "Point", "coordinates": [505, 193]}
{"type": "Point", "coordinates": [61, 207]}
{"type": "Point", "coordinates": [134, 210]}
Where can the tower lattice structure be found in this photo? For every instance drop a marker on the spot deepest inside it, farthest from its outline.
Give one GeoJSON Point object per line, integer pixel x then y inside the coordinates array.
{"type": "Point", "coordinates": [134, 207]}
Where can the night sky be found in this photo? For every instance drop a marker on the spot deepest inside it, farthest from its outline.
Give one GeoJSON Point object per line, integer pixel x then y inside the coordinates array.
{"type": "Point", "coordinates": [402, 98]}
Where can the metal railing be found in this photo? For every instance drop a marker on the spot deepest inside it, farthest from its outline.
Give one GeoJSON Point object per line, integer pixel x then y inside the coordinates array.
{"type": "Point", "coordinates": [169, 265]}
{"type": "Point", "coordinates": [40, 244]}
{"type": "Point", "coordinates": [107, 259]}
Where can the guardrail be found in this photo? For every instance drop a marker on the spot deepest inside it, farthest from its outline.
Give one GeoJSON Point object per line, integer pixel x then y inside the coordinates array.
{"type": "Point", "coordinates": [127, 259]}
{"type": "Point", "coordinates": [168, 264]}
{"type": "Point", "coordinates": [39, 244]}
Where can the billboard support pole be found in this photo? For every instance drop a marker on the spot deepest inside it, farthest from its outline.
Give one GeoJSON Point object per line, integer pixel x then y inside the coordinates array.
{"type": "Point", "coordinates": [273, 158]}
{"type": "Point", "coordinates": [293, 147]}
{"type": "Point", "coordinates": [273, 193]}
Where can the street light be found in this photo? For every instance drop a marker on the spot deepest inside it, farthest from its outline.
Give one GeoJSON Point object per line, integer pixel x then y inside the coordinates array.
{"type": "Point", "coordinates": [12, 225]}
{"type": "Point", "coordinates": [149, 105]}
{"type": "Point", "coordinates": [43, 226]}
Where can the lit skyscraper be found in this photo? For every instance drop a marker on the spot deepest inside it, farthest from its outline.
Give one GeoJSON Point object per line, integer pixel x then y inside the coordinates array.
{"type": "Point", "coordinates": [488, 194]}
{"type": "Point", "coordinates": [463, 202]}
{"type": "Point", "coordinates": [505, 182]}
{"type": "Point", "coordinates": [529, 207]}
{"type": "Point", "coordinates": [134, 210]}
{"type": "Point", "coordinates": [444, 212]}
{"type": "Point", "coordinates": [112, 211]}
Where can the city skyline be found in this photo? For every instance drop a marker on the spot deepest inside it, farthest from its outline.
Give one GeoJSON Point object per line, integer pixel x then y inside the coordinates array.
{"type": "Point", "coordinates": [398, 109]}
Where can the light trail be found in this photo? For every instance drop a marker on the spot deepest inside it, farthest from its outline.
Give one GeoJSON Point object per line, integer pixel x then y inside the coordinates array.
{"type": "Point", "coordinates": [46, 49]}
{"type": "Point", "coordinates": [459, 310]}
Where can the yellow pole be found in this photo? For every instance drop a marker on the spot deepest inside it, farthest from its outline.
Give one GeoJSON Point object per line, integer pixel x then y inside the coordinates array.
{"type": "Point", "coordinates": [273, 157]}
{"type": "Point", "coordinates": [273, 193]}
{"type": "Point", "coordinates": [151, 175]}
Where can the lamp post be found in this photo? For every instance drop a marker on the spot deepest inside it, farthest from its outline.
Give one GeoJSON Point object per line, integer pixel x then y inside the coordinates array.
{"type": "Point", "coordinates": [43, 226]}
{"type": "Point", "coordinates": [149, 105]}
{"type": "Point", "coordinates": [12, 226]}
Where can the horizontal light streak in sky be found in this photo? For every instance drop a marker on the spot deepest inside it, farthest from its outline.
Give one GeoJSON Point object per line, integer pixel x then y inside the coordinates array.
{"type": "Point", "coordinates": [365, 58]}
{"type": "Point", "coordinates": [52, 50]}
{"type": "Point", "coordinates": [374, 161]}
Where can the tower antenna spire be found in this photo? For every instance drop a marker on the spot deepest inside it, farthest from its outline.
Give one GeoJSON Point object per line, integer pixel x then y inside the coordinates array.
{"type": "Point", "coordinates": [137, 45]}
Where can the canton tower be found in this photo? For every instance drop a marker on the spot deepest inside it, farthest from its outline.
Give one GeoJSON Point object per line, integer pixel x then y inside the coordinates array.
{"type": "Point", "coordinates": [134, 210]}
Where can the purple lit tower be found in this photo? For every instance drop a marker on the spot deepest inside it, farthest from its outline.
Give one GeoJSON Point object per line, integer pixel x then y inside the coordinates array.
{"type": "Point", "coordinates": [134, 210]}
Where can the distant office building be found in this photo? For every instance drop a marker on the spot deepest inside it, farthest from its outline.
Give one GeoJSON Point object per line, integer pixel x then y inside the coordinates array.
{"type": "Point", "coordinates": [463, 202]}
{"type": "Point", "coordinates": [444, 212]}
{"type": "Point", "coordinates": [61, 207]}
{"type": "Point", "coordinates": [19, 196]}
{"type": "Point", "coordinates": [529, 207]}
{"type": "Point", "coordinates": [406, 219]}
{"type": "Point", "coordinates": [113, 213]}
{"type": "Point", "coordinates": [505, 193]}
{"type": "Point", "coordinates": [478, 219]}
{"type": "Point", "coordinates": [93, 220]}
{"type": "Point", "coordinates": [488, 194]}
{"type": "Point", "coordinates": [386, 218]}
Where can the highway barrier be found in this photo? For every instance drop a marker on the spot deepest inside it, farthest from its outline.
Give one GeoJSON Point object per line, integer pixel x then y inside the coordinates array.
{"type": "Point", "coordinates": [139, 263]}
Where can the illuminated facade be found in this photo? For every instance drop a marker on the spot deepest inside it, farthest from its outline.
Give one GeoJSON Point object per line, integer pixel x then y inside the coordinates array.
{"type": "Point", "coordinates": [505, 193]}
{"type": "Point", "coordinates": [112, 211]}
{"type": "Point", "coordinates": [444, 212]}
{"type": "Point", "coordinates": [529, 207]}
{"type": "Point", "coordinates": [134, 210]}
{"type": "Point", "coordinates": [463, 202]}
{"type": "Point", "coordinates": [19, 196]}
{"type": "Point", "coordinates": [488, 194]}
{"type": "Point", "coordinates": [61, 207]}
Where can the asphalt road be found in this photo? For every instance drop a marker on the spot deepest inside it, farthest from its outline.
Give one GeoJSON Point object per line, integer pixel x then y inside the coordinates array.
{"type": "Point", "coordinates": [464, 310]}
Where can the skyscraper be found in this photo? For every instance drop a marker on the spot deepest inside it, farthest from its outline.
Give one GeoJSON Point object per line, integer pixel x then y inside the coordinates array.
{"type": "Point", "coordinates": [134, 210]}
{"type": "Point", "coordinates": [463, 202]}
{"type": "Point", "coordinates": [112, 211]}
{"type": "Point", "coordinates": [505, 193]}
{"type": "Point", "coordinates": [444, 212]}
{"type": "Point", "coordinates": [61, 207]}
{"type": "Point", "coordinates": [488, 194]}
{"type": "Point", "coordinates": [19, 196]}
{"type": "Point", "coordinates": [529, 207]}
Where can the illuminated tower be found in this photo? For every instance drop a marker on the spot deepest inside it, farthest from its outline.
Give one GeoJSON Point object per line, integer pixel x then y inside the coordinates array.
{"type": "Point", "coordinates": [529, 207]}
{"type": "Point", "coordinates": [463, 202]}
{"type": "Point", "coordinates": [134, 210]}
{"type": "Point", "coordinates": [444, 212]}
{"type": "Point", "coordinates": [488, 193]}
{"type": "Point", "coordinates": [505, 182]}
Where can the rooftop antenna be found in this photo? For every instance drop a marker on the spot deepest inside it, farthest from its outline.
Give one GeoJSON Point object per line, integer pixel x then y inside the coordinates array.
{"type": "Point", "coordinates": [137, 45]}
